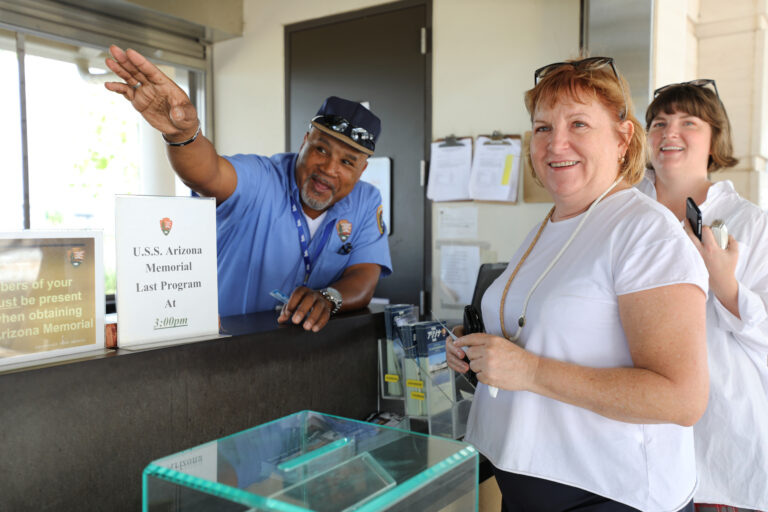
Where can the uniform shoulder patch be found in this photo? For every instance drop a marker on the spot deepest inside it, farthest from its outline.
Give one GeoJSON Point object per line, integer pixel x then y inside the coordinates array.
{"type": "Point", "coordinates": [380, 219]}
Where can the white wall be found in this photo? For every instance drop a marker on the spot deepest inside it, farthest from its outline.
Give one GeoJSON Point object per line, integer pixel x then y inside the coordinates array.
{"type": "Point", "coordinates": [485, 53]}
{"type": "Point", "coordinates": [733, 50]}
{"type": "Point", "coordinates": [674, 43]}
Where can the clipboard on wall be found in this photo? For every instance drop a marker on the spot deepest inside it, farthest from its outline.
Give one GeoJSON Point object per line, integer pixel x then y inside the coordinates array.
{"type": "Point", "coordinates": [532, 191]}
{"type": "Point", "coordinates": [498, 139]}
{"type": "Point", "coordinates": [495, 174]}
{"type": "Point", "coordinates": [449, 169]}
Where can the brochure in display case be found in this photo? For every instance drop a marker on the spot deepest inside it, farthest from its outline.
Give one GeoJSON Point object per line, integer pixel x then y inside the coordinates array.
{"type": "Point", "coordinates": [415, 356]}
{"type": "Point", "coordinates": [391, 355]}
{"type": "Point", "coordinates": [51, 294]}
{"type": "Point", "coordinates": [310, 461]}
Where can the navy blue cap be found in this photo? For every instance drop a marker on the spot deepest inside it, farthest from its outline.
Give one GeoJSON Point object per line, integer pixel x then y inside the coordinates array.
{"type": "Point", "coordinates": [350, 122]}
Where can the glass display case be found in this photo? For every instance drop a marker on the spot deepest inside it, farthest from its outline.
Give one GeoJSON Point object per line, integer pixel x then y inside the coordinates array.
{"type": "Point", "coordinates": [310, 461]}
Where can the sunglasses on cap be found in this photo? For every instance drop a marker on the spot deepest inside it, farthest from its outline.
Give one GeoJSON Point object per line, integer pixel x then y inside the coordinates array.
{"type": "Point", "coordinates": [588, 64]}
{"type": "Point", "coordinates": [340, 125]}
{"type": "Point", "coordinates": [701, 82]}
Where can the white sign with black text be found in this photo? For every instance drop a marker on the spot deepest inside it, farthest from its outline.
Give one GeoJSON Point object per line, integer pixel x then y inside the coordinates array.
{"type": "Point", "coordinates": [166, 269]}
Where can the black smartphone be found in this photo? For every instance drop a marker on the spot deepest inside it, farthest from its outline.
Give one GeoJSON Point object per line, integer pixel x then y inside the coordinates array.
{"type": "Point", "coordinates": [693, 214]}
{"type": "Point", "coordinates": [472, 323]}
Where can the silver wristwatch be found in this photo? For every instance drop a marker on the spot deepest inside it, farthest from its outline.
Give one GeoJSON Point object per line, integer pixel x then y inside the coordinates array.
{"type": "Point", "coordinates": [334, 296]}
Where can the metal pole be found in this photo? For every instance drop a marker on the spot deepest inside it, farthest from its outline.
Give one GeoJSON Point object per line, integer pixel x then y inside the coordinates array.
{"type": "Point", "coordinates": [20, 52]}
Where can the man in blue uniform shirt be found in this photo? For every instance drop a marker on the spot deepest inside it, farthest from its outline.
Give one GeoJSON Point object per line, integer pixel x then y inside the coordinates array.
{"type": "Point", "coordinates": [297, 222]}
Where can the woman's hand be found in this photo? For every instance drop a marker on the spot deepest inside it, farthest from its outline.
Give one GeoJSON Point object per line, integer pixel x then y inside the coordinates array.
{"type": "Point", "coordinates": [721, 265]}
{"type": "Point", "coordinates": [496, 361]}
{"type": "Point", "coordinates": [454, 355]}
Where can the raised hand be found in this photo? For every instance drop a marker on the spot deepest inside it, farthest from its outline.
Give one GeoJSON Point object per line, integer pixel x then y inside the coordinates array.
{"type": "Point", "coordinates": [721, 265]}
{"type": "Point", "coordinates": [156, 97]}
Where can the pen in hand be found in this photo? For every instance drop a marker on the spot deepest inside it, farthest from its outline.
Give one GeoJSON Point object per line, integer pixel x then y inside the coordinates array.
{"type": "Point", "coordinates": [279, 296]}
{"type": "Point", "coordinates": [491, 389]}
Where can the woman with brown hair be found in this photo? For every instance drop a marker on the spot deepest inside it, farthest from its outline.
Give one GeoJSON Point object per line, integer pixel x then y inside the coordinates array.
{"type": "Point", "coordinates": [689, 136]}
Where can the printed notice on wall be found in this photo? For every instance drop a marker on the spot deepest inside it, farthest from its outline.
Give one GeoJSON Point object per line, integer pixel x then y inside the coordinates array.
{"type": "Point", "coordinates": [51, 294]}
{"type": "Point", "coordinates": [458, 272]}
{"type": "Point", "coordinates": [166, 269]}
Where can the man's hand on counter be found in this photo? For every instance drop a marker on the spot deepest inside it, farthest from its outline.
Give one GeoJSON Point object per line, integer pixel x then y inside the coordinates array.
{"type": "Point", "coordinates": [308, 308]}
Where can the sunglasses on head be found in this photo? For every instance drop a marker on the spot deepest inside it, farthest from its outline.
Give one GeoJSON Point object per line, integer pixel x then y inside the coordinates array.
{"type": "Point", "coordinates": [340, 125]}
{"type": "Point", "coordinates": [701, 82]}
{"type": "Point", "coordinates": [588, 64]}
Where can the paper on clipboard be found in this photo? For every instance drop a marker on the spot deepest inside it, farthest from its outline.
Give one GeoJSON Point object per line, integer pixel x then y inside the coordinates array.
{"type": "Point", "coordinates": [495, 169]}
{"type": "Point", "coordinates": [449, 170]}
{"type": "Point", "coordinates": [458, 272]}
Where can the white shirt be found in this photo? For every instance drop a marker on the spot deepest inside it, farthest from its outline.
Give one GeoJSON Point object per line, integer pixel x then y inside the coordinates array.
{"type": "Point", "coordinates": [313, 224]}
{"type": "Point", "coordinates": [628, 244]}
{"type": "Point", "coordinates": [732, 437]}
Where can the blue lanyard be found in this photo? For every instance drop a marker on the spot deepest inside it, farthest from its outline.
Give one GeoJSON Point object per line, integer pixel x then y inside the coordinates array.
{"type": "Point", "coordinates": [304, 242]}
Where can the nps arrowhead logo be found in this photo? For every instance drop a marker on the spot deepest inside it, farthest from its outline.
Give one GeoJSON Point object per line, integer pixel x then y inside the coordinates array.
{"type": "Point", "coordinates": [166, 224]}
{"type": "Point", "coordinates": [344, 229]}
{"type": "Point", "coordinates": [76, 256]}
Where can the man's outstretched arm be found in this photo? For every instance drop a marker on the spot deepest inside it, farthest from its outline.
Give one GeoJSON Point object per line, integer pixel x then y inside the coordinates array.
{"type": "Point", "coordinates": [167, 108]}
